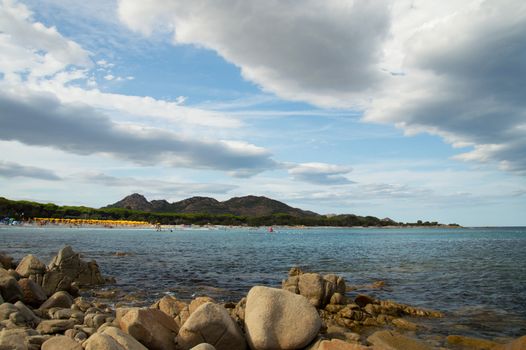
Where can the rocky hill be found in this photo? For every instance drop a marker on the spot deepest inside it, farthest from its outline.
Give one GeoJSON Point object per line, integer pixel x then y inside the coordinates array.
{"type": "Point", "coordinates": [241, 206]}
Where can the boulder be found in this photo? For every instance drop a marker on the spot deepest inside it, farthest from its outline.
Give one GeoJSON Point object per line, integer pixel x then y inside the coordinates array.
{"type": "Point", "coordinates": [194, 304]}
{"type": "Point", "coordinates": [54, 326]}
{"type": "Point", "coordinates": [389, 340]}
{"type": "Point", "coordinates": [6, 309]}
{"type": "Point", "coordinates": [362, 300]}
{"type": "Point", "coordinates": [59, 299]}
{"type": "Point", "coordinates": [28, 315]}
{"type": "Point", "coordinates": [33, 294]}
{"type": "Point", "coordinates": [316, 288]}
{"type": "Point", "coordinates": [55, 281]}
{"type": "Point", "coordinates": [404, 324]}
{"type": "Point", "coordinates": [152, 327]}
{"type": "Point", "coordinates": [9, 288]}
{"type": "Point", "coordinates": [99, 341]}
{"type": "Point", "coordinates": [6, 261]}
{"type": "Point", "coordinates": [30, 265]}
{"type": "Point", "coordinates": [278, 319]}
{"type": "Point", "coordinates": [211, 323]}
{"type": "Point", "coordinates": [123, 339]}
{"type": "Point", "coordinates": [174, 308]}
{"type": "Point", "coordinates": [14, 339]}
{"type": "Point", "coordinates": [70, 264]}
{"type": "Point", "coordinates": [61, 343]}
{"type": "Point", "coordinates": [476, 343]}
{"type": "Point", "coordinates": [203, 346]}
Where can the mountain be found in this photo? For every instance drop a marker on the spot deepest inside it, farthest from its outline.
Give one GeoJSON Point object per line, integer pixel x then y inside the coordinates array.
{"type": "Point", "coordinates": [240, 206]}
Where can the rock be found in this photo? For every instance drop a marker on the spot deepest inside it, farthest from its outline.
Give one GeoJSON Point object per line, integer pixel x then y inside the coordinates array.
{"type": "Point", "coordinates": [61, 343]}
{"type": "Point", "coordinates": [517, 344]}
{"type": "Point", "coordinates": [28, 315]}
{"type": "Point", "coordinates": [211, 323]}
{"type": "Point", "coordinates": [54, 326]}
{"type": "Point", "coordinates": [337, 344]}
{"type": "Point", "coordinates": [362, 300]}
{"type": "Point", "coordinates": [55, 281]}
{"type": "Point", "coordinates": [100, 341]}
{"type": "Point", "coordinates": [59, 299]}
{"type": "Point", "coordinates": [194, 304]}
{"type": "Point", "coordinates": [69, 263]}
{"type": "Point", "coordinates": [475, 343]}
{"type": "Point", "coordinates": [404, 324]}
{"type": "Point", "coordinates": [30, 265]}
{"type": "Point", "coordinates": [337, 299]}
{"type": "Point", "coordinates": [278, 319]}
{"type": "Point", "coordinates": [6, 309]}
{"type": "Point", "coordinates": [123, 339]}
{"type": "Point", "coordinates": [14, 339]}
{"type": "Point", "coordinates": [6, 261]}
{"type": "Point", "coordinates": [174, 308]}
{"type": "Point", "coordinates": [389, 340]}
{"type": "Point", "coordinates": [316, 288]}
{"type": "Point", "coordinates": [152, 327]}
{"type": "Point", "coordinates": [33, 294]}
{"type": "Point", "coordinates": [203, 346]}
{"type": "Point", "coordinates": [9, 288]}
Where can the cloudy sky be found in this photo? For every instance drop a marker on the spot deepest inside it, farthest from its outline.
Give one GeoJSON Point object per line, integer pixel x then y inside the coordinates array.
{"type": "Point", "coordinates": [403, 109]}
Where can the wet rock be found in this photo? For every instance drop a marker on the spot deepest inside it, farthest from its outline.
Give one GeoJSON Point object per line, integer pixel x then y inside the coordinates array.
{"type": "Point", "coordinates": [362, 300]}
{"type": "Point", "coordinates": [270, 312]}
{"type": "Point", "coordinates": [69, 263]}
{"type": "Point", "coordinates": [337, 332]}
{"type": "Point", "coordinates": [337, 344]}
{"type": "Point", "coordinates": [59, 299]}
{"type": "Point", "coordinates": [61, 343]}
{"type": "Point", "coordinates": [517, 344]}
{"type": "Point", "coordinates": [389, 340]}
{"type": "Point", "coordinates": [474, 343]}
{"type": "Point", "coordinates": [30, 266]}
{"type": "Point", "coordinates": [404, 324]}
{"type": "Point", "coordinates": [152, 327]}
{"type": "Point", "coordinates": [54, 326]}
{"type": "Point", "coordinates": [6, 261]}
{"type": "Point", "coordinates": [33, 294]}
{"type": "Point", "coordinates": [211, 323]}
{"type": "Point", "coordinates": [9, 288]}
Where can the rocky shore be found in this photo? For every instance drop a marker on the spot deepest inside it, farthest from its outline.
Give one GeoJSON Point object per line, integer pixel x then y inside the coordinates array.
{"type": "Point", "coordinates": [41, 307]}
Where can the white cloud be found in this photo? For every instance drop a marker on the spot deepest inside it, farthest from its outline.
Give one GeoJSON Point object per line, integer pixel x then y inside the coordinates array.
{"type": "Point", "coordinates": [109, 77]}
{"type": "Point", "coordinates": [449, 68]}
{"type": "Point", "coordinates": [320, 51]}
{"type": "Point", "coordinates": [320, 173]}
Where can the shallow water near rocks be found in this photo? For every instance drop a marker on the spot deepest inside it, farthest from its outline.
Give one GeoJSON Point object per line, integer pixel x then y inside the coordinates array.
{"type": "Point", "coordinates": [477, 276]}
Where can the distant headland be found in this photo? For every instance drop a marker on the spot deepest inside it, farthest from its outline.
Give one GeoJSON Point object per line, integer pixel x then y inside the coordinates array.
{"type": "Point", "coordinates": [238, 211]}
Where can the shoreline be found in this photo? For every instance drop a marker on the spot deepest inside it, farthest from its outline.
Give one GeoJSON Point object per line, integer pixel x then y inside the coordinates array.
{"type": "Point", "coordinates": [346, 316]}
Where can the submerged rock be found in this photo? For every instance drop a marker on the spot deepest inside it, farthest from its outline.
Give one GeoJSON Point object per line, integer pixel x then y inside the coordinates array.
{"type": "Point", "coordinates": [389, 340]}
{"type": "Point", "coordinates": [278, 319]}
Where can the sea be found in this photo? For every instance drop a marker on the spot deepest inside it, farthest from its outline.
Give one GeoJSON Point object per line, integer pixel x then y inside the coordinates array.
{"type": "Point", "coordinates": [475, 276]}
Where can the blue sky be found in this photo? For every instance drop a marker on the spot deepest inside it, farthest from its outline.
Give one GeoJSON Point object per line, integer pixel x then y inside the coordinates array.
{"type": "Point", "coordinates": [402, 109]}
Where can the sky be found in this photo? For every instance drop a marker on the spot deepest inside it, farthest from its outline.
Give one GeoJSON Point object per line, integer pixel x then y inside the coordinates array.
{"type": "Point", "coordinates": [402, 109]}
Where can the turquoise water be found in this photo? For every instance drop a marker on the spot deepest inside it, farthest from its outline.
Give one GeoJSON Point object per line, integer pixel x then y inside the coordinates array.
{"type": "Point", "coordinates": [476, 276]}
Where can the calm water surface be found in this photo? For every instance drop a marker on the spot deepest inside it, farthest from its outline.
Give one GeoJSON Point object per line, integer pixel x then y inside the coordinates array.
{"type": "Point", "coordinates": [476, 276]}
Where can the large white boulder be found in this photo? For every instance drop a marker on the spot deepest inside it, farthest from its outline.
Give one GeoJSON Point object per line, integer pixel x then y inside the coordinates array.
{"type": "Point", "coordinates": [278, 319]}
